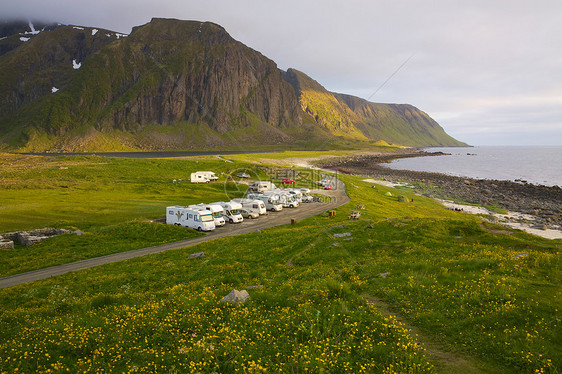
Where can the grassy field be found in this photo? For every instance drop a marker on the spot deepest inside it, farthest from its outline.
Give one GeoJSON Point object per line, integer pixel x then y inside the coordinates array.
{"type": "Point", "coordinates": [484, 292]}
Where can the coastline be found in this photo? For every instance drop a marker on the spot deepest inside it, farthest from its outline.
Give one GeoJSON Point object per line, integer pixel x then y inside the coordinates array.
{"type": "Point", "coordinates": [536, 207]}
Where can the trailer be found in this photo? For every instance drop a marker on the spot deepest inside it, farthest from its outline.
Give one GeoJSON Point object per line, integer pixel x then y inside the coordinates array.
{"type": "Point", "coordinates": [254, 205]}
{"type": "Point", "coordinates": [216, 210]}
{"type": "Point", "coordinates": [203, 177]}
{"type": "Point", "coordinates": [187, 217]}
{"type": "Point", "coordinates": [231, 211]}
{"type": "Point", "coordinates": [270, 203]}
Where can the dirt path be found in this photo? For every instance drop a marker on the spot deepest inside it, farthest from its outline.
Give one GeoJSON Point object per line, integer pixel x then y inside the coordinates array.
{"type": "Point", "coordinates": [338, 198]}
{"type": "Point", "coordinates": [443, 359]}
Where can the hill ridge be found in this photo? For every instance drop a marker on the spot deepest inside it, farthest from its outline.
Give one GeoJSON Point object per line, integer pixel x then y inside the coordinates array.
{"type": "Point", "coordinates": [174, 84]}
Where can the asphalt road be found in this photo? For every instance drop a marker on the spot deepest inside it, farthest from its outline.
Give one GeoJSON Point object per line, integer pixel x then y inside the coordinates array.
{"type": "Point", "coordinates": [338, 198]}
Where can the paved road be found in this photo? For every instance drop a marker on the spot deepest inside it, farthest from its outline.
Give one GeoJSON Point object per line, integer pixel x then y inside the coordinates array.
{"type": "Point", "coordinates": [338, 196]}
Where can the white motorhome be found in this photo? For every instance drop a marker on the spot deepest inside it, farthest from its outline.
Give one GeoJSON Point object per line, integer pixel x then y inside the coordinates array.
{"type": "Point", "coordinates": [231, 211]}
{"type": "Point", "coordinates": [270, 203]}
{"type": "Point", "coordinates": [203, 177]}
{"type": "Point", "coordinates": [254, 205]}
{"type": "Point", "coordinates": [287, 199]}
{"type": "Point", "coordinates": [216, 210]}
{"type": "Point", "coordinates": [262, 186]}
{"type": "Point", "coordinates": [296, 192]}
{"type": "Point", "coordinates": [195, 219]}
{"type": "Point", "coordinates": [306, 196]}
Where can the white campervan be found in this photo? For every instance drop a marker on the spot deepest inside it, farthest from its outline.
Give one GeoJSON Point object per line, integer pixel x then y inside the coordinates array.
{"type": "Point", "coordinates": [270, 203]}
{"type": "Point", "coordinates": [296, 192]}
{"type": "Point", "coordinates": [287, 199]}
{"type": "Point", "coordinates": [254, 205]}
{"type": "Point", "coordinates": [306, 196]}
{"type": "Point", "coordinates": [262, 186]}
{"type": "Point", "coordinates": [216, 210]}
{"type": "Point", "coordinates": [203, 177]}
{"type": "Point", "coordinates": [187, 217]}
{"type": "Point", "coordinates": [231, 212]}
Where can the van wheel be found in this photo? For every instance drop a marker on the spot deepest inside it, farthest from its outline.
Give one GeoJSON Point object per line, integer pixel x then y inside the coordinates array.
{"type": "Point", "coordinates": [231, 220]}
{"type": "Point", "coordinates": [199, 228]}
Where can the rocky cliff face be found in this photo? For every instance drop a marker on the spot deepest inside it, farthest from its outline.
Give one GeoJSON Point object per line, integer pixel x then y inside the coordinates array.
{"type": "Point", "coordinates": [171, 84]}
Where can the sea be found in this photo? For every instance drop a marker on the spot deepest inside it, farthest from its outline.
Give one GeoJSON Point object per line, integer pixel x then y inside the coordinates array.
{"type": "Point", "coordinates": [541, 165]}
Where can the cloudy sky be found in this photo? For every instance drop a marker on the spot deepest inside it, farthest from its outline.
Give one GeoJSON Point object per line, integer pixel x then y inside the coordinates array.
{"type": "Point", "coordinates": [489, 71]}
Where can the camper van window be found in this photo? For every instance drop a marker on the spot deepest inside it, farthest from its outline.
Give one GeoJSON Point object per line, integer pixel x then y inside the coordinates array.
{"type": "Point", "coordinates": [196, 217]}
{"type": "Point", "coordinates": [255, 206]}
{"type": "Point", "coordinates": [190, 216]}
{"type": "Point", "coordinates": [170, 212]}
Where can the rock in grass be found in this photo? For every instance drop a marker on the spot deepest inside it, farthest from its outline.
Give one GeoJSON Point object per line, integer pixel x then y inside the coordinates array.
{"type": "Point", "coordinates": [383, 275]}
{"type": "Point", "coordinates": [342, 235]}
{"type": "Point", "coordinates": [198, 254]}
{"type": "Point", "coordinates": [236, 297]}
{"type": "Point", "coordinates": [6, 244]}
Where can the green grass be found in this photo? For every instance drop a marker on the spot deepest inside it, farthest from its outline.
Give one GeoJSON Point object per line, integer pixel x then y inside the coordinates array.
{"type": "Point", "coordinates": [100, 241]}
{"type": "Point", "coordinates": [454, 277]}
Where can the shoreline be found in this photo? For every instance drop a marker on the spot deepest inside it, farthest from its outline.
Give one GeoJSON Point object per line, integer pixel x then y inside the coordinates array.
{"type": "Point", "coordinates": [534, 206]}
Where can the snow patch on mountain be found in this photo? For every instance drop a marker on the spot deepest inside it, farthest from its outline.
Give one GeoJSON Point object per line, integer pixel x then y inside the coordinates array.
{"type": "Point", "coordinates": [76, 65]}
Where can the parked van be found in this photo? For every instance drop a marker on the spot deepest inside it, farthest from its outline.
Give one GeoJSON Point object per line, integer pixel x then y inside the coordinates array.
{"type": "Point", "coordinates": [306, 196]}
{"type": "Point", "coordinates": [270, 203]}
{"type": "Point", "coordinates": [254, 205]}
{"type": "Point", "coordinates": [287, 199]}
{"type": "Point", "coordinates": [203, 177]}
{"type": "Point", "coordinates": [296, 192]}
{"type": "Point", "coordinates": [195, 219]}
{"type": "Point", "coordinates": [231, 211]}
{"type": "Point", "coordinates": [262, 186]}
{"type": "Point", "coordinates": [216, 210]}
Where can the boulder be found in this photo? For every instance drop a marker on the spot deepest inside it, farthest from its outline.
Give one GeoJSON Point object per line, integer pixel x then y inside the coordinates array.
{"type": "Point", "coordinates": [6, 244]}
{"type": "Point", "coordinates": [236, 297]}
{"type": "Point", "coordinates": [342, 235]}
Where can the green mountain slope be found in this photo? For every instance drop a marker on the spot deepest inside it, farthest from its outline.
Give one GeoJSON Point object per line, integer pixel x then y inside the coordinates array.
{"type": "Point", "coordinates": [176, 84]}
{"type": "Point", "coordinates": [360, 119]}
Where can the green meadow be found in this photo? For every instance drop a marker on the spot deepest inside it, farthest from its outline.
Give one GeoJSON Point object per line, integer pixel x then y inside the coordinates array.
{"type": "Point", "coordinates": [483, 298]}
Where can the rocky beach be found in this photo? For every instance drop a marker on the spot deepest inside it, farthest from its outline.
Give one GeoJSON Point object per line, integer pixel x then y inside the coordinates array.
{"type": "Point", "coordinates": [544, 203]}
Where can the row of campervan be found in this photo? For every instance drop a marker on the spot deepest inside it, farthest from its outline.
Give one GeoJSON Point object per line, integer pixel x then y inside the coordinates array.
{"type": "Point", "coordinates": [205, 217]}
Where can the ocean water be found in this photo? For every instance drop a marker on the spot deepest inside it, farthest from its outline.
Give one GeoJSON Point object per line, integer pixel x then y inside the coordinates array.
{"type": "Point", "coordinates": [537, 165]}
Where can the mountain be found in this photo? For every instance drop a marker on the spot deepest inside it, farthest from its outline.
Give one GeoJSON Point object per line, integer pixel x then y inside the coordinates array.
{"type": "Point", "coordinates": [175, 84]}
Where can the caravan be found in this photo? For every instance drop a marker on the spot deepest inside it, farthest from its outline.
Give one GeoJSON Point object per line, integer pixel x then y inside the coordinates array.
{"type": "Point", "coordinates": [195, 219]}
{"type": "Point", "coordinates": [216, 210]}
{"type": "Point", "coordinates": [203, 177]}
{"type": "Point", "coordinates": [231, 211]}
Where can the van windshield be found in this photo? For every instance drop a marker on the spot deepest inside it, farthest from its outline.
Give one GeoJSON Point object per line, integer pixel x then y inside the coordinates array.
{"type": "Point", "coordinates": [206, 217]}
{"type": "Point", "coordinates": [217, 214]}
{"type": "Point", "coordinates": [234, 212]}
